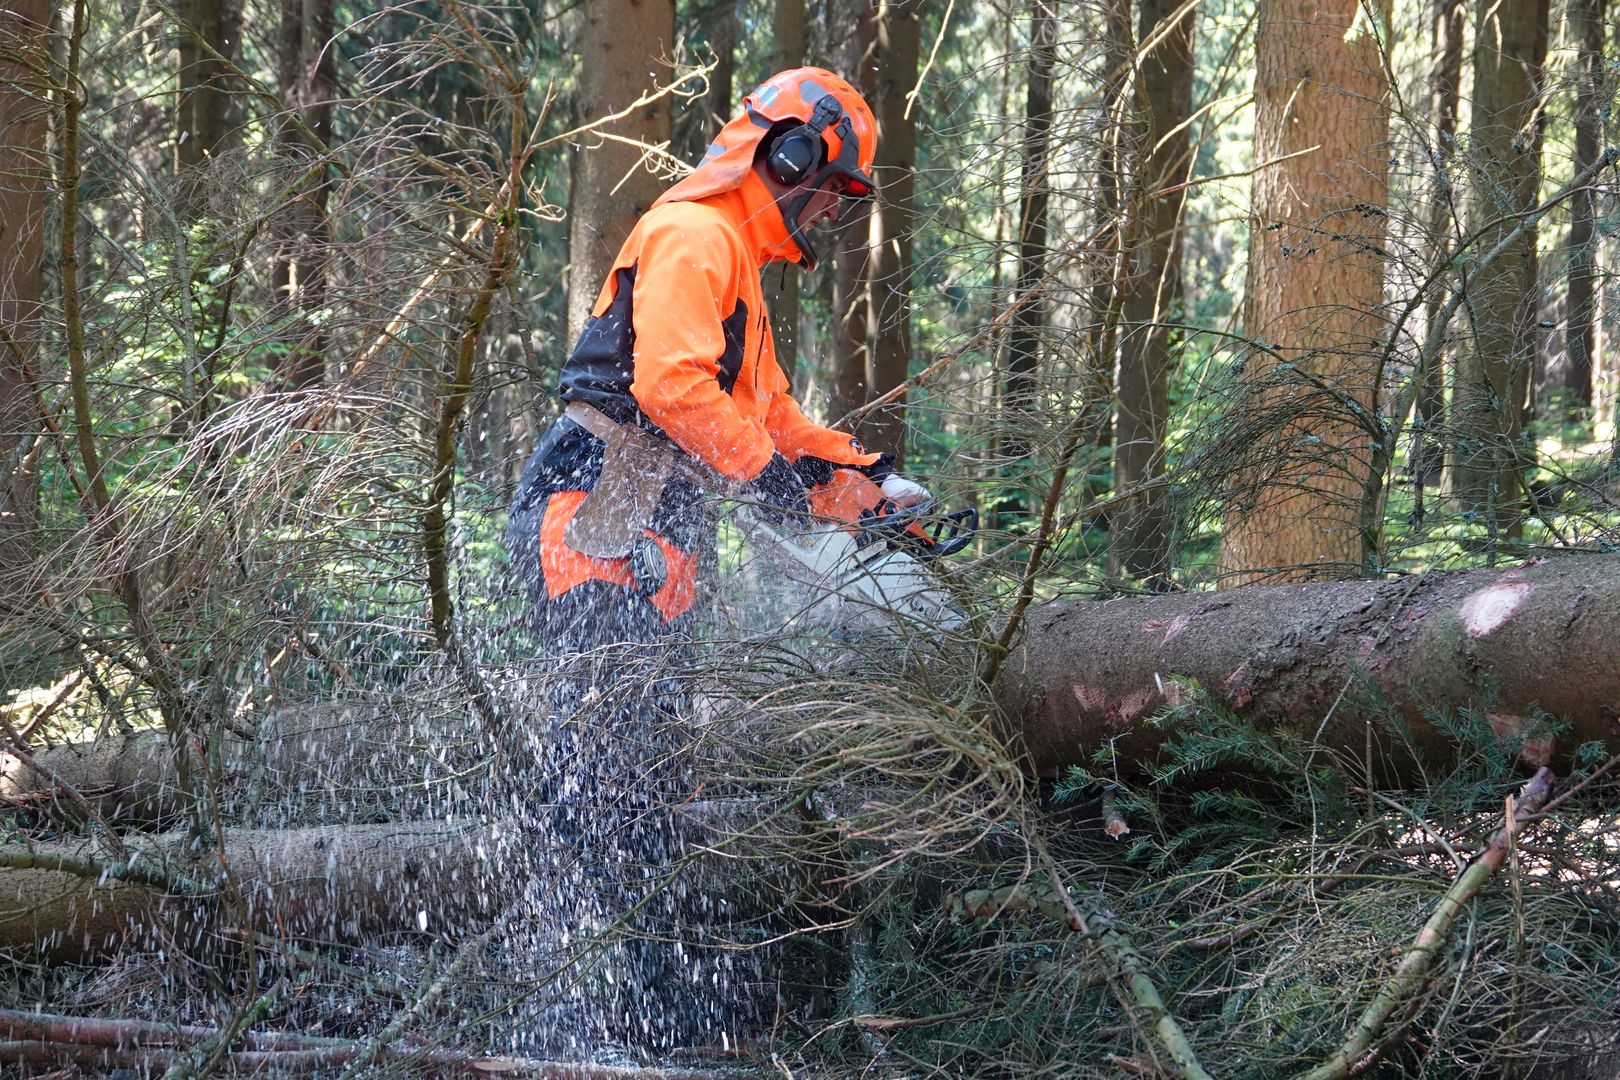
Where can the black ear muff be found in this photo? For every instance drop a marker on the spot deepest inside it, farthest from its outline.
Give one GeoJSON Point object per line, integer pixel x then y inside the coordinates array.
{"type": "Point", "coordinates": [793, 156]}
{"type": "Point", "coordinates": [797, 151]}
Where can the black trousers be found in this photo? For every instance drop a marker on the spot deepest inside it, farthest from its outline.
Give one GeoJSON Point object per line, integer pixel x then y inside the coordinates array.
{"type": "Point", "coordinates": [594, 774]}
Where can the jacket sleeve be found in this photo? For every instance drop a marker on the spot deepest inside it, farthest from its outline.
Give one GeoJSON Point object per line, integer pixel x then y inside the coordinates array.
{"type": "Point", "coordinates": [685, 287]}
{"type": "Point", "coordinates": [797, 436]}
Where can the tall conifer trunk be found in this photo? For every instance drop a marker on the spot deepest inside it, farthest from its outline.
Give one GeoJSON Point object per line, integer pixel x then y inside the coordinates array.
{"type": "Point", "coordinates": [306, 68]}
{"type": "Point", "coordinates": [1428, 452]}
{"type": "Point", "coordinates": [782, 289]}
{"type": "Point", "coordinates": [24, 56]}
{"type": "Point", "coordinates": [1020, 396]}
{"type": "Point", "coordinates": [1140, 528]}
{"type": "Point", "coordinates": [1493, 373]}
{"type": "Point", "coordinates": [851, 346]}
{"type": "Point", "coordinates": [892, 219]}
{"type": "Point", "coordinates": [627, 42]}
{"type": "Point", "coordinates": [208, 30]}
{"type": "Point", "coordinates": [1314, 289]}
{"type": "Point", "coordinates": [1112, 225]}
{"type": "Point", "coordinates": [1586, 23]}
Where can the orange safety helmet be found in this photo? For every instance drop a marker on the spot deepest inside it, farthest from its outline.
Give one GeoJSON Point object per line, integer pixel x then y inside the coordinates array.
{"type": "Point", "coordinates": [832, 146]}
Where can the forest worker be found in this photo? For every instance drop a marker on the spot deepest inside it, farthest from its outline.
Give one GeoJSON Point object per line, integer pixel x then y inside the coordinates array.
{"type": "Point", "coordinates": [673, 396]}
{"type": "Point", "coordinates": [677, 355]}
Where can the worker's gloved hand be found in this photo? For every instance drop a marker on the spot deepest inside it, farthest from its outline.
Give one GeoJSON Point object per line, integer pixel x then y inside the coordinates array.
{"type": "Point", "coordinates": [778, 486]}
{"type": "Point", "coordinates": [905, 493]}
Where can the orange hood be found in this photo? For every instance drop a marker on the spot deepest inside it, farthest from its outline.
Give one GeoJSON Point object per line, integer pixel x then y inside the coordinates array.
{"type": "Point", "coordinates": [751, 208]}
{"type": "Point", "coordinates": [728, 166]}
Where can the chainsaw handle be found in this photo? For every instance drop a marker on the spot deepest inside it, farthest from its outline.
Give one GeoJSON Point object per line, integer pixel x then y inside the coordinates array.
{"type": "Point", "coordinates": [946, 535]}
{"type": "Point", "coordinates": [954, 531]}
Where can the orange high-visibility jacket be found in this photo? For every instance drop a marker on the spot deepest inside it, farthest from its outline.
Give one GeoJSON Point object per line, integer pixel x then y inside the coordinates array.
{"type": "Point", "coordinates": [679, 343]}
{"type": "Point", "coordinates": [680, 339]}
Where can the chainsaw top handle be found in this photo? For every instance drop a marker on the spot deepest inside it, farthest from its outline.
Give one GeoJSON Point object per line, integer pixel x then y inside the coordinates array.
{"type": "Point", "coordinates": [917, 529]}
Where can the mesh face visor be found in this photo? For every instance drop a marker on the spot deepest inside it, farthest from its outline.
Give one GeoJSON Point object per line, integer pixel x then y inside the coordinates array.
{"type": "Point", "coordinates": [843, 176]}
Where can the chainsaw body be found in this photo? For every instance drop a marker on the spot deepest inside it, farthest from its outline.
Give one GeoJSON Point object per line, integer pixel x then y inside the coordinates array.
{"type": "Point", "coordinates": [865, 559]}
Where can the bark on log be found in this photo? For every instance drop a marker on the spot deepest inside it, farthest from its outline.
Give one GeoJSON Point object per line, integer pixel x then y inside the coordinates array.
{"type": "Point", "coordinates": [332, 882]}
{"type": "Point", "coordinates": [1329, 656]}
{"type": "Point", "coordinates": [333, 751]}
{"type": "Point", "coordinates": [42, 1038]}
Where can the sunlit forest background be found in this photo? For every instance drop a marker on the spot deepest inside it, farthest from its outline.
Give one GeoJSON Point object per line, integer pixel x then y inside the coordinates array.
{"type": "Point", "coordinates": [1181, 297]}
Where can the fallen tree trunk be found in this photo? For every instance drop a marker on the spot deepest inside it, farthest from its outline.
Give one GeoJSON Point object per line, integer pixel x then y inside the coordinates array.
{"type": "Point", "coordinates": [1517, 643]}
{"type": "Point", "coordinates": [41, 1038]}
{"type": "Point", "coordinates": [338, 752]}
{"type": "Point", "coordinates": [331, 883]}
{"type": "Point", "coordinates": [1331, 661]}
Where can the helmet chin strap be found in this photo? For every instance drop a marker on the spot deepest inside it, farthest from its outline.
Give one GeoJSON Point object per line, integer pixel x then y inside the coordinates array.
{"type": "Point", "coordinates": [791, 202]}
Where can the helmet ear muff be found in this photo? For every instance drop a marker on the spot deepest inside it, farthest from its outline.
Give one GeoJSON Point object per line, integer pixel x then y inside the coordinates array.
{"type": "Point", "coordinates": [795, 154]}
{"type": "Point", "coordinates": [792, 157]}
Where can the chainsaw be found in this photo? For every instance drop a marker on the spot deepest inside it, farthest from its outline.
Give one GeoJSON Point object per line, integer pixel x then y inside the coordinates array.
{"type": "Point", "coordinates": [865, 559]}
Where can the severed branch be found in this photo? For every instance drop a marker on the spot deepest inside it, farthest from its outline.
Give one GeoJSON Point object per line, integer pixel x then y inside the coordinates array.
{"type": "Point", "coordinates": [1360, 1047]}
{"type": "Point", "coordinates": [1115, 824]}
{"type": "Point", "coordinates": [130, 869]}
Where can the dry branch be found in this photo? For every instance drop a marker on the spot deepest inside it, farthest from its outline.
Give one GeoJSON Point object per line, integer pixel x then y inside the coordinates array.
{"type": "Point", "coordinates": [1123, 964]}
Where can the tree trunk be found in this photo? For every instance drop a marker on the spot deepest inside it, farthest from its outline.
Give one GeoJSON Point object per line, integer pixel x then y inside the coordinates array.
{"type": "Point", "coordinates": [782, 289]}
{"type": "Point", "coordinates": [202, 119]}
{"type": "Point", "coordinates": [628, 42]}
{"type": "Point", "coordinates": [1493, 374]}
{"type": "Point", "coordinates": [1428, 451]}
{"type": "Point", "coordinates": [1111, 226]}
{"type": "Point", "coordinates": [892, 221]}
{"type": "Point", "coordinates": [1586, 25]}
{"type": "Point", "coordinates": [850, 384]}
{"type": "Point", "coordinates": [1355, 665]}
{"type": "Point", "coordinates": [337, 882]}
{"type": "Point", "coordinates": [1315, 284]}
{"type": "Point", "coordinates": [341, 883]}
{"type": "Point", "coordinates": [721, 101]}
{"type": "Point", "coordinates": [308, 84]}
{"type": "Point", "coordinates": [850, 303]}
{"type": "Point", "coordinates": [1139, 530]}
{"type": "Point", "coordinates": [321, 757]}
{"type": "Point", "coordinates": [787, 31]}
{"type": "Point", "coordinates": [1023, 340]}
{"type": "Point", "coordinates": [24, 169]}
